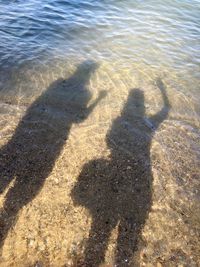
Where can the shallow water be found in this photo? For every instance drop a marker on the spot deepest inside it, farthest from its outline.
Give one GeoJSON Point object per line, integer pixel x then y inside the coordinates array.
{"type": "Point", "coordinates": [81, 48]}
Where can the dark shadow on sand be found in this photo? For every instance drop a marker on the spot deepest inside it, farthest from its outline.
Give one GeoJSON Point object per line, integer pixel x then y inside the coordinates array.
{"type": "Point", "coordinates": [117, 192]}
{"type": "Point", "coordinates": [30, 155]}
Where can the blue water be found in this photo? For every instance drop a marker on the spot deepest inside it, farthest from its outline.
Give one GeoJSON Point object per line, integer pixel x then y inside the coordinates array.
{"type": "Point", "coordinates": [155, 32]}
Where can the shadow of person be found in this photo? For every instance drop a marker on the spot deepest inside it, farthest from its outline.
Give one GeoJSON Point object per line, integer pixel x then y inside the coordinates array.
{"type": "Point", "coordinates": [30, 155]}
{"type": "Point", "coordinates": [117, 192]}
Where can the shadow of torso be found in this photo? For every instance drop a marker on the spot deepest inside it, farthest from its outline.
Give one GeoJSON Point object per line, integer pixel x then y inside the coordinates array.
{"type": "Point", "coordinates": [121, 184]}
{"type": "Point", "coordinates": [30, 155]}
{"type": "Point", "coordinates": [117, 191]}
{"type": "Point", "coordinates": [42, 132]}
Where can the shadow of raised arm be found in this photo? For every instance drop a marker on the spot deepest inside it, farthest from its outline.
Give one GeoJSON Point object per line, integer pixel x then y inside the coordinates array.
{"type": "Point", "coordinates": [160, 116]}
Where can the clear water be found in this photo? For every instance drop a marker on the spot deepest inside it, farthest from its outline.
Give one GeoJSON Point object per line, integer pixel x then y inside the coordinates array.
{"type": "Point", "coordinates": [133, 44]}
{"type": "Point", "coordinates": [130, 40]}
{"type": "Point", "coordinates": [148, 32]}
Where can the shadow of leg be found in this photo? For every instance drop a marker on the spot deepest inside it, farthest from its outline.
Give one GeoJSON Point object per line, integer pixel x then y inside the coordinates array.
{"type": "Point", "coordinates": [6, 178]}
{"type": "Point", "coordinates": [19, 195]}
{"type": "Point", "coordinates": [128, 232]}
{"type": "Point", "coordinates": [7, 220]}
{"type": "Point", "coordinates": [97, 242]}
{"type": "Point", "coordinates": [7, 169]}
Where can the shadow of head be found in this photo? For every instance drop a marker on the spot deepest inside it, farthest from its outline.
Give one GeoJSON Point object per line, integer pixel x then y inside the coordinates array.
{"type": "Point", "coordinates": [71, 93]}
{"type": "Point", "coordinates": [89, 66]}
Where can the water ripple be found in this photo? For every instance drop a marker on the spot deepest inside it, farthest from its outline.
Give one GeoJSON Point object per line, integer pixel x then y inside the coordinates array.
{"type": "Point", "coordinates": [134, 25]}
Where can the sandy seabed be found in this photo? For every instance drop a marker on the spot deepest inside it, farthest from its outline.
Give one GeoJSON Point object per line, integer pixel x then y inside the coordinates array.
{"type": "Point", "coordinates": [99, 169]}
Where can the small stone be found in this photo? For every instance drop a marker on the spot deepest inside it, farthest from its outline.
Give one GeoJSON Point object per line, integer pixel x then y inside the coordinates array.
{"type": "Point", "coordinates": [56, 180]}
{"type": "Point", "coordinates": [31, 242]}
{"type": "Point", "coordinates": [38, 264]}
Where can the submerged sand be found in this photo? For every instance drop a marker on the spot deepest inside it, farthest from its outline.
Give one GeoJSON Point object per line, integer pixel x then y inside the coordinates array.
{"type": "Point", "coordinates": [99, 167]}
